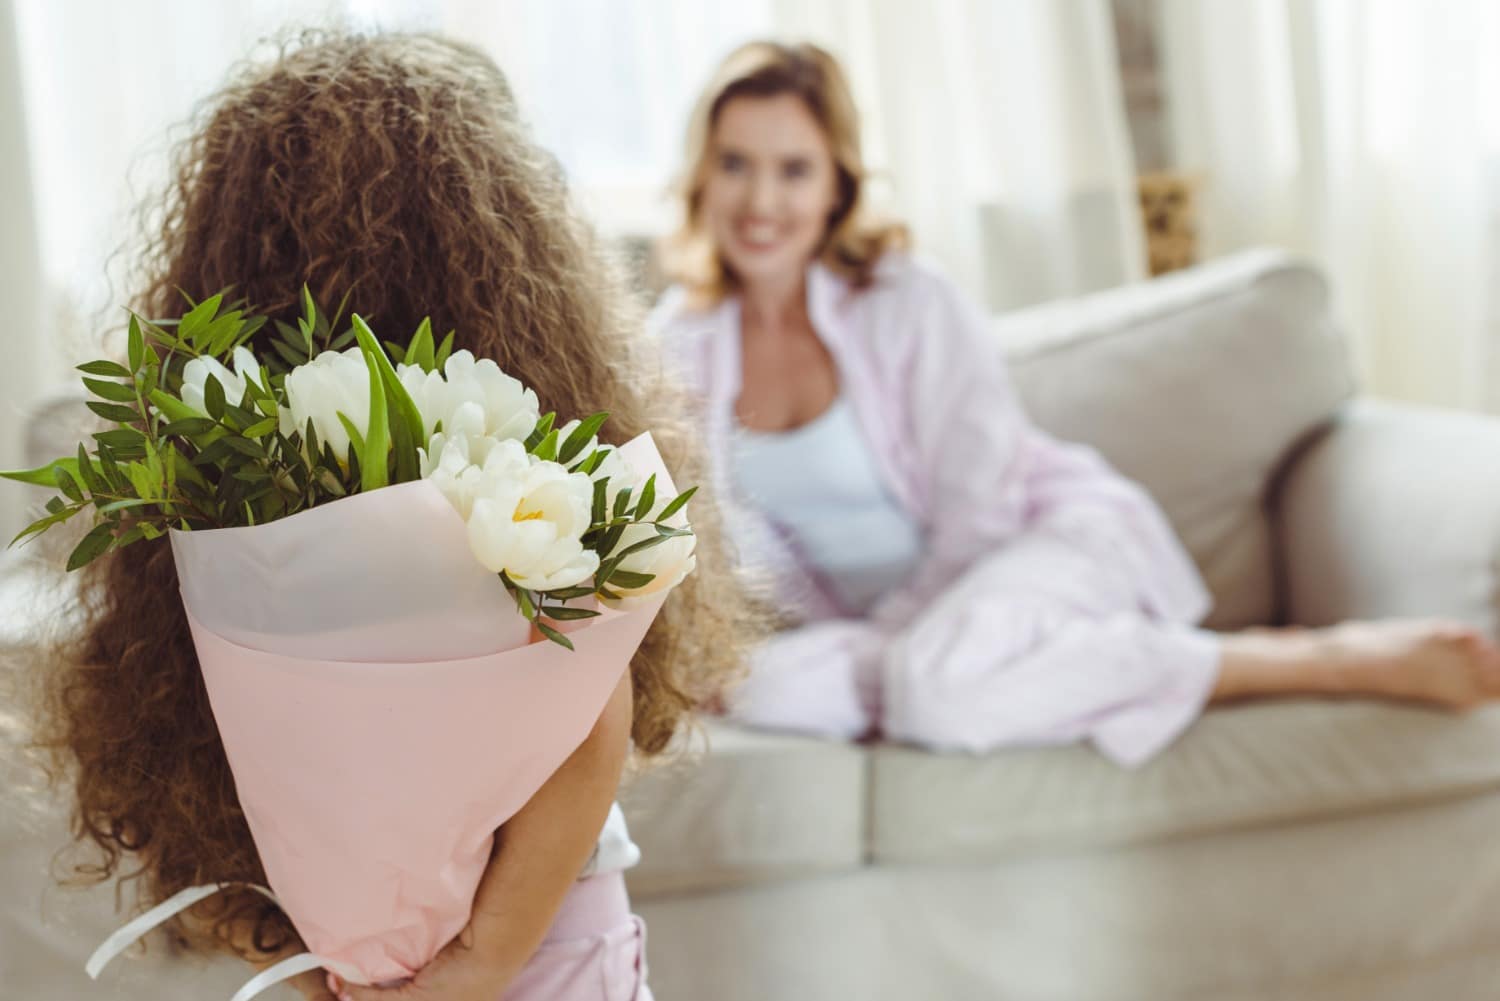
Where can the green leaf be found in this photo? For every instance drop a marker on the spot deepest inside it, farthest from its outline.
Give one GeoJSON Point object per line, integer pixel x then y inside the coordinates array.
{"type": "Point", "coordinates": [622, 503]}
{"type": "Point", "coordinates": [112, 391]}
{"type": "Point", "coordinates": [601, 488]}
{"type": "Point", "coordinates": [638, 547]}
{"type": "Point", "coordinates": [141, 479]}
{"type": "Point", "coordinates": [262, 428]}
{"type": "Point", "coordinates": [121, 505]}
{"type": "Point", "coordinates": [678, 503]}
{"type": "Point", "coordinates": [648, 497]}
{"type": "Point", "coordinates": [546, 449]}
{"type": "Point", "coordinates": [172, 408]}
{"type": "Point", "coordinates": [310, 439]}
{"type": "Point", "coordinates": [444, 350]}
{"type": "Point", "coordinates": [630, 579]}
{"type": "Point", "coordinates": [136, 344]}
{"type": "Point", "coordinates": [523, 604]}
{"type": "Point", "coordinates": [92, 481]}
{"type": "Point", "coordinates": [554, 635]}
{"type": "Point", "coordinates": [396, 351]}
{"type": "Point", "coordinates": [245, 446]}
{"type": "Point", "coordinates": [356, 440]}
{"type": "Point", "coordinates": [588, 465]}
{"type": "Point", "coordinates": [291, 356]}
{"type": "Point", "coordinates": [238, 417]}
{"type": "Point", "coordinates": [190, 427]}
{"type": "Point", "coordinates": [41, 525]}
{"type": "Point", "coordinates": [569, 593]}
{"type": "Point", "coordinates": [542, 429]}
{"type": "Point", "coordinates": [580, 437]}
{"type": "Point", "coordinates": [420, 351]}
{"type": "Point", "coordinates": [113, 370]}
{"type": "Point", "coordinates": [561, 613]}
{"type": "Point", "coordinates": [114, 412]}
{"type": "Point", "coordinates": [41, 476]}
{"type": "Point", "coordinates": [214, 453]}
{"type": "Point", "coordinates": [67, 484]}
{"type": "Point", "coordinates": [94, 545]}
{"type": "Point", "coordinates": [185, 470]}
{"type": "Point", "coordinates": [195, 326]}
{"type": "Point", "coordinates": [213, 397]}
{"type": "Point", "coordinates": [387, 396]}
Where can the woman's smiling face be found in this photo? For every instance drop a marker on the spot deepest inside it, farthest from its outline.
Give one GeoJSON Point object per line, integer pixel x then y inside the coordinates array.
{"type": "Point", "coordinates": [771, 188]}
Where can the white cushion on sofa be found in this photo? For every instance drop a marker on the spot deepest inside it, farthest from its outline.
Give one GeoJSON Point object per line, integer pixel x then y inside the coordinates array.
{"type": "Point", "coordinates": [1199, 385]}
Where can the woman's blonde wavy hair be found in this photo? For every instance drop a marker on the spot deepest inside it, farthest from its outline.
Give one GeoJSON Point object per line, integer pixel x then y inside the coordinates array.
{"type": "Point", "coordinates": [854, 243]}
{"type": "Point", "coordinates": [393, 168]}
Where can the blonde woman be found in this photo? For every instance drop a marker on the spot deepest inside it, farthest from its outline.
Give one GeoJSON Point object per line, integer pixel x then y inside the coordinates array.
{"type": "Point", "coordinates": [950, 575]}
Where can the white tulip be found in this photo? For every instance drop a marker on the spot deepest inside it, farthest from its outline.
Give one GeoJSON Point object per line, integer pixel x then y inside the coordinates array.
{"type": "Point", "coordinates": [332, 383]}
{"type": "Point", "coordinates": [196, 372]}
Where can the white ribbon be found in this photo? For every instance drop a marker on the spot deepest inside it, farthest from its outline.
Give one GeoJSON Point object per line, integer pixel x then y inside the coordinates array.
{"type": "Point", "coordinates": [140, 927]}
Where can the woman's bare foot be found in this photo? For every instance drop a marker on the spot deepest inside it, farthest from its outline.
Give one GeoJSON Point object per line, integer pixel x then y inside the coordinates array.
{"type": "Point", "coordinates": [1437, 662]}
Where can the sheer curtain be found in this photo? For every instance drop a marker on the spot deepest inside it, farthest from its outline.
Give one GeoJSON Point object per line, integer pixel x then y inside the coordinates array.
{"type": "Point", "coordinates": [20, 270]}
{"type": "Point", "coordinates": [1001, 127]}
{"type": "Point", "coordinates": [1362, 132]}
{"type": "Point", "coordinates": [997, 129]}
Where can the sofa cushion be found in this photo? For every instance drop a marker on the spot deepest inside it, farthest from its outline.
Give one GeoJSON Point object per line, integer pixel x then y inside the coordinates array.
{"type": "Point", "coordinates": [1198, 385]}
{"type": "Point", "coordinates": [1270, 763]}
{"type": "Point", "coordinates": [758, 807]}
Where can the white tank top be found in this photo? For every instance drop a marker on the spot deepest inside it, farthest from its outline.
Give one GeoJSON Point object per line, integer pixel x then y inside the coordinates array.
{"type": "Point", "coordinates": [819, 484]}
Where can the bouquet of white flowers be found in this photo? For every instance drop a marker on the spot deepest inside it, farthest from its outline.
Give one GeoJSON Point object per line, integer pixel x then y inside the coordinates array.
{"type": "Point", "coordinates": [364, 548]}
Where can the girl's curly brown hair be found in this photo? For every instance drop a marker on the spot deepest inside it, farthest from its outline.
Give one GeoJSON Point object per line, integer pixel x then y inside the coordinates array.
{"type": "Point", "coordinates": [394, 168]}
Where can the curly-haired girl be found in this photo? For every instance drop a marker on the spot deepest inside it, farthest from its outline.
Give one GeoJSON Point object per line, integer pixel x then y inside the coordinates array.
{"type": "Point", "coordinates": [393, 168]}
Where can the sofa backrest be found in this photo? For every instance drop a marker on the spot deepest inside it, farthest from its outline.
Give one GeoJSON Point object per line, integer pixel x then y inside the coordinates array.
{"type": "Point", "coordinates": [1199, 385]}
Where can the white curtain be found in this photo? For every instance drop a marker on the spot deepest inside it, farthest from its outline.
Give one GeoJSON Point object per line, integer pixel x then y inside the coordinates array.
{"type": "Point", "coordinates": [20, 271]}
{"type": "Point", "coordinates": [1363, 133]}
{"type": "Point", "coordinates": [1001, 127]}
{"type": "Point", "coordinates": [997, 128]}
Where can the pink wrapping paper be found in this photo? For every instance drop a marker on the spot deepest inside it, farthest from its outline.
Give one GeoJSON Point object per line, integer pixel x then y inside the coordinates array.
{"type": "Point", "coordinates": [382, 710]}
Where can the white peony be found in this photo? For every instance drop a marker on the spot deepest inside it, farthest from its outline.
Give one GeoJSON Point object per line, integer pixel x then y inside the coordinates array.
{"type": "Point", "coordinates": [195, 375]}
{"type": "Point", "coordinates": [526, 517]}
{"type": "Point", "coordinates": [332, 383]}
{"type": "Point", "coordinates": [506, 408]}
{"type": "Point", "coordinates": [669, 561]}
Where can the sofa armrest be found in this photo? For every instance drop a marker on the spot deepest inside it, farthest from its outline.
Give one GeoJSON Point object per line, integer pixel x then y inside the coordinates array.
{"type": "Point", "coordinates": [1393, 511]}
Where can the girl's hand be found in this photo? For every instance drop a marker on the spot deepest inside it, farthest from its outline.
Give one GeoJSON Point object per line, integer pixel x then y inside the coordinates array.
{"type": "Point", "coordinates": [457, 973]}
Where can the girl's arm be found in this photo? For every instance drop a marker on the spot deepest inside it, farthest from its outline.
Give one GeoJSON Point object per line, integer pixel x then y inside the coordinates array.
{"type": "Point", "coordinates": [538, 855]}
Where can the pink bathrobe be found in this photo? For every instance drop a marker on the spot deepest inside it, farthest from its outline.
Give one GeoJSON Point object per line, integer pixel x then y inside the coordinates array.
{"type": "Point", "coordinates": [1053, 603]}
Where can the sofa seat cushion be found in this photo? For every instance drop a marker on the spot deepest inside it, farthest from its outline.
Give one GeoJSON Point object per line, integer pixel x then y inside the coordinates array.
{"type": "Point", "coordinates": [758, 807]}
{"type": "Point", "coordinates": [1255, 765]}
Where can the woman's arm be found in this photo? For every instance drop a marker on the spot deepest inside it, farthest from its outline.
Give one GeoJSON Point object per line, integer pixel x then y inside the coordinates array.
{"type": "Point", "coordinates": [538, 855]}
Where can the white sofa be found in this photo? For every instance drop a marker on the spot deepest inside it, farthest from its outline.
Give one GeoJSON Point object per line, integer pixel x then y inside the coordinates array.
{"type": "Point", "coordinates": [1295, 851]}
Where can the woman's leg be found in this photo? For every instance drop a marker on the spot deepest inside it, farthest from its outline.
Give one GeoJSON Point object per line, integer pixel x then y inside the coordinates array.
{"type": "Point", "coordinates": [1045, 643]}
{"type": "Point", "coordinates": [1040, 643]}
{"type": "Point", "coordinates": [1430, 661]}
